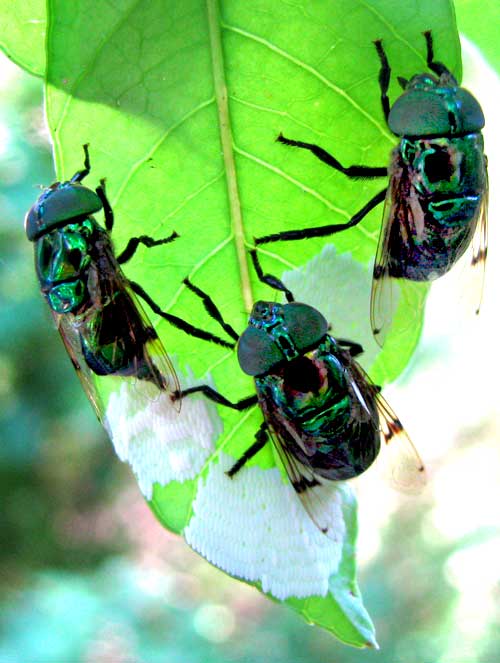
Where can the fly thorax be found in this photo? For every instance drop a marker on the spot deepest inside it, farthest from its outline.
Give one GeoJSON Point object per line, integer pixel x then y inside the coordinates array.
{"type": "Point", "coordinates": [298, 387]}
{"type": "Point", "coordinates": [313, 381]}
{"type": "Point", "coordinates": [304, 375]}
{"type": "Point", "coordinates": [434, 165]}
{"type": "Point", "coordinates": [61, 261]}
{"type": "Point", "coordinates": [448, 175]}
{"type": "Point", "coordinates": [326, 409]}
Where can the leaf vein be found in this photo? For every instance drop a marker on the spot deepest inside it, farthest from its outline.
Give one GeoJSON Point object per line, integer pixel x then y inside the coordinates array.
{"type": "Point", "coordinates": [274, 111]}
{"type": "Point", "coordinates": [218, 68]}
{"type": "Point", "coordinates": [156, 146]}
{"type": "Point", "coordinates": [87, 70]}
{"type": "Point", "coordinates": [311, 70]}
{"type": "Point", "coordinates": [293, 181]}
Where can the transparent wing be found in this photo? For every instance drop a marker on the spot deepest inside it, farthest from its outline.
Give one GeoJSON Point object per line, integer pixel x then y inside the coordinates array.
{"type": "Point", "coordinates": [403, 221]}
{"type": "Point", "coordinates": [151, 363]}
{"type": "Point", "coordinates": [405, 468]}
{"type": "Point", "coordinates": [161, 368]}
{"type": "Point", "coordinates": [317, 494]}
{"type": "Point", "coordinates": [464, 283]}
{"type": "Point", "coordinates": [71, 340]}
{"type": "Point", "coordinates": [480, 250]}
{"type": "Point", "coordinates": [116, 325]}
{"type": "Point", "coordinates": [384, 299]}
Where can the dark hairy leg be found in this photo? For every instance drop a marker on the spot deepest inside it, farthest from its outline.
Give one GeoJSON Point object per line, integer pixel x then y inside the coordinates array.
{"type": "Point", "coordinates": [174, 320]}
{"type": "Point", "coordinates": [269, 279]}
{"type": "Point", "coordinates": [355, 172]}
{"type": "Point", "coordinates": [324, 231]}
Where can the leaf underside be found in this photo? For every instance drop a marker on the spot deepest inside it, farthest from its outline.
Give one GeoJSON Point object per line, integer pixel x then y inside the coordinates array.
{"type": "Point", "coordinates": [145, 84]}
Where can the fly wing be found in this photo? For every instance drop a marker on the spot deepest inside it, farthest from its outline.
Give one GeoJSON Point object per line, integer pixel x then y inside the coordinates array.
{"type": "Point", "coordinates": [152, 363]}
{"type": "Point", "coordinates": [384, 300]}
{"type": "Point", "coordinates": [71, 339]}
{"type": "Point", "coordinates": [159, 363]}
{"type": "Point", "coordinates": [403, 221]}
{"type": "Point", "coordinates": [115, 324]}
{"type": "Point", "coordinates": [317, 494]}
{"type": "Point", "coordinates": [406, 470]}
{"type": "Point", "coordinates": [467, 283]}
{"type": "Point", "coordinates": [480, 250]}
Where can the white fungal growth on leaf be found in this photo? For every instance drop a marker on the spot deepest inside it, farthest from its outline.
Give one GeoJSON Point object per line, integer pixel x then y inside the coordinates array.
{"type": "Point", "coordinates": [253, 526]}
{"type": "Point", "coordinates": [160, 443]}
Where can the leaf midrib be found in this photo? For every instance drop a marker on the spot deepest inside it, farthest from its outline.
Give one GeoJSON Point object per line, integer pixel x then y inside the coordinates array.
{"type": "Point", "coordinates": [236, 219]}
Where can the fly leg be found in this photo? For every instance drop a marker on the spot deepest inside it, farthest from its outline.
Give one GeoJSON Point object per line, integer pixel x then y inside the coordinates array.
{"type": "Point", "coordinates": [81, 174]}
{"type": "Point", "coordinates": [384, 78]}
{"type": "Point", "coordinates": [211, 308]}
{"type": "Point", "coordinates": [177, 322]}
{"type": "Point", "coordinates": [354, 172]}
{"type": "Point", "coordinates": [437, 67]}
{"type": "Point", "coordinates": [324, 231]}
{"type": "Point", "coordinates": [269, 279]}
{"type": "Point", "coordinates": [212, 395]}
{"type": "Point", "coordinates": [133, 242]}
{"type": "Point", "coordinates": [261, 436]}
{"type": "Point", "coordinates": [243, 404]}
{"type": "Point", "coordinates": [106, 206]}
{"type": "Point", "coordinates": [355, 349]}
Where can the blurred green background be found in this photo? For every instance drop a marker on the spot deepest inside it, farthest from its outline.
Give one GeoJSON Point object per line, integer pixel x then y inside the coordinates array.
{"type": "Point", "coordinates": [88, 575]}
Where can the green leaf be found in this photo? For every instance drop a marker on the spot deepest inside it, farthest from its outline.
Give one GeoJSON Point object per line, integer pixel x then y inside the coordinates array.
{"type": "Point", "coordinates": [181, 105]}
{"type": "Point", "coordinates": [22, 34]}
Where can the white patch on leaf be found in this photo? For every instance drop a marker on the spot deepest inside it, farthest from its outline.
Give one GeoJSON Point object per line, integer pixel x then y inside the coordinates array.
{"type": "Point", "coordinates": [346, 308]}
{"type": "Point", "coordinates": [253, 526]}
{"type": "Point", "coordinates": [159, 443]}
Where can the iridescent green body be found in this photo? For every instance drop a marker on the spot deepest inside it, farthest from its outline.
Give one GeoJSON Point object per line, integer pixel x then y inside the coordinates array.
{"type": "Point", "coordinates": [324, 416]}
{"type": "Point", "coordinates": [82, 281]}
{"type": "Point", "coordinates": [95, 307]}
{"type": "Point", "coordinates": [312, 402]}
{"type": "Point", "coordinates": [313, 395]}
{"type": "Point", "coordinates": [435, 197]}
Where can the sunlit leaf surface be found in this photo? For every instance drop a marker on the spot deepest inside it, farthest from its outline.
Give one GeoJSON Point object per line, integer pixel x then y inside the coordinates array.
{"type": "Point", "coordinates": [23, 32]}
{"type": "Point", "coordinates": [181, 105]}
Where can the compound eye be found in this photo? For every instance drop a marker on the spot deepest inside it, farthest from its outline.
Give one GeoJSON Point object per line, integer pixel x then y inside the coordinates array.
{"type": "Point", "coordinates": [257, 352]}
{"type": "Point", "coordinates": [305, 324]}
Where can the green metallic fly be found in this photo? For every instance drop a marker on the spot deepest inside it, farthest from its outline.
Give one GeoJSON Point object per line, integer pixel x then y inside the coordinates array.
{"type": "Point", "coordinates": [437, 198]}
{"type": "Point", "coordinates": [320, 409]}
{"type": "Point", "coordinates": [105, 330]}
